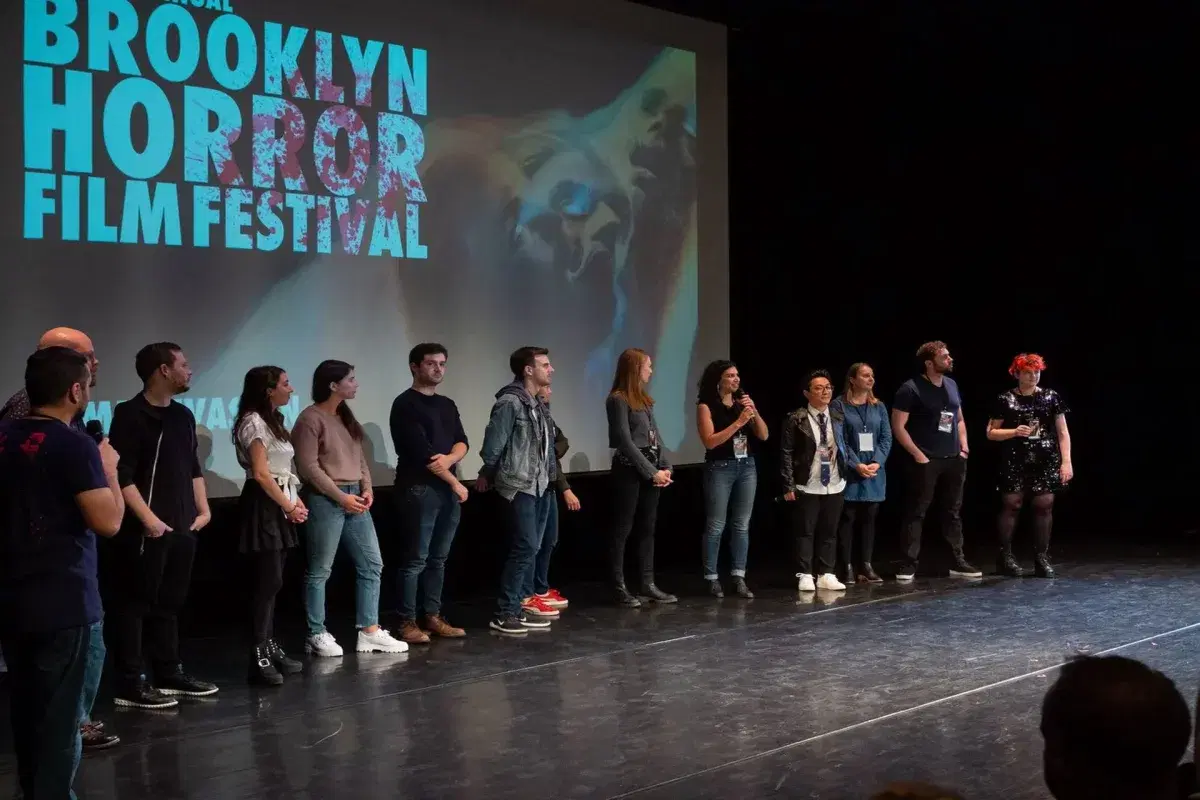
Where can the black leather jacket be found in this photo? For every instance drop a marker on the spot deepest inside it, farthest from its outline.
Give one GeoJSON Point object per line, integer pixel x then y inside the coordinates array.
{"type": "Point", "coordinates": [797, 447]}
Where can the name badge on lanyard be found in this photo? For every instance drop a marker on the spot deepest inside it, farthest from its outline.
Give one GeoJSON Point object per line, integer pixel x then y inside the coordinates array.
{"type": "Point", "coordinates": [866, 439]}
{"type": "Point", "coordinates": [946, 422]}
{"type": "Point", "coordinates": [741, 446]}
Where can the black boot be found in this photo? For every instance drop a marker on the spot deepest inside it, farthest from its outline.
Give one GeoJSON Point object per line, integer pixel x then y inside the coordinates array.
{"type": "Point", "coordinates": [1042, 567]}
{"type": "Point", "coordinates": [848, 576]}
{"type": "Point", "coordinates": [714, 588]}
{"type": "Point", "coordinates": [741, 589]}
{"type": "Point", "coordinates": [656, 594]}
{"type": "Point", "coordinates": [1006, 564]}
{"type": "Point", "coordinates": [262, 671]}
{"type": "Point", "coordinates": [287, 666]}
{"type": "Point", "coordinates": [624, 598]}
{"type": "Point", "coordinates": [868, 574]}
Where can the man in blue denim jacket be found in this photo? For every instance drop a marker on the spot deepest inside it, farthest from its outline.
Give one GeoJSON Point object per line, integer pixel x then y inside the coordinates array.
{"type": "Point", "coordinates": [518, 461]}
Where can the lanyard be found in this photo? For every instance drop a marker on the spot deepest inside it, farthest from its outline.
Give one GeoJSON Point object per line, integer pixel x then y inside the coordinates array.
{"type": "Point", "coordinates": [862, 415]}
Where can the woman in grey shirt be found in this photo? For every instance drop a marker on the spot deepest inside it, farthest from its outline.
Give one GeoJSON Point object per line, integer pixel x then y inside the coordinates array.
{"type": "Point", "coordinates": [639, 472]}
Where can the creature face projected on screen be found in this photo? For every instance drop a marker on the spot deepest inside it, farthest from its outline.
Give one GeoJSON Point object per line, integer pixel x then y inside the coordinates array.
{"type": "Point", "coordinates": [581, 221]}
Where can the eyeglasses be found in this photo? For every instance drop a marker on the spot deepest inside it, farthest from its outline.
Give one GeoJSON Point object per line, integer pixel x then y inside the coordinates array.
{"type": "Point", "coordinates": [822, 389]}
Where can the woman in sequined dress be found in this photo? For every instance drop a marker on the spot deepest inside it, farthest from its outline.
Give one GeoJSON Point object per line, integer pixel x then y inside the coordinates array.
{"type": "Point", "coordinates": [1031, 424]}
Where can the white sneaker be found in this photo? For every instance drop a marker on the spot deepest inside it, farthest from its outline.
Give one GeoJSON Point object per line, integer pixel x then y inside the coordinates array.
{"type": "Point", "coordinates": [830, 581]}
{"type": "Point", "coordinates": [806, 583]}
{"type": "Point", "coordinates": [379, 642]}
{"type": "Point", "coordinates": [323, 645]}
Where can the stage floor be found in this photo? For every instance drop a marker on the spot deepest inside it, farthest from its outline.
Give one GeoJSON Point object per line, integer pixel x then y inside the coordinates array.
{"type": "Point", "coordinates": [826, 697]}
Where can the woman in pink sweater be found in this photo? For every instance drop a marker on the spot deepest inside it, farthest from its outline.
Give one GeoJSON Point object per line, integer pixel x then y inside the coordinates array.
{"type": "Point", "coordinates": [330, 460]}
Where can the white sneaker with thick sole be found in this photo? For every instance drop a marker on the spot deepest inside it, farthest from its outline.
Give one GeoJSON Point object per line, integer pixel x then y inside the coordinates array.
{"type": "Point", "coordinates": [380, 641]}
{"type": "Point", "coordinates": [806, 583]}
{"type": "Point", "coordinates": [830, 581]}
{"type": "Point", "coordinates": [323, 645]}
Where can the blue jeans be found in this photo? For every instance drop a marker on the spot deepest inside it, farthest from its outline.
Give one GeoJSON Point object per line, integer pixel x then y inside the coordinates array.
{"type": "Point", "coordinates": [728, 494]}
{"type": "Point", "coordinates": [47, 677]}
{"type": "Point", "coordinates": [528, 516]}
{"type": "Point", "coordinates": [328, 526]}
{"type": "Point", "coordinates": [541, 563]}
{"type": "Point", "coordinates": [431, 513]}
{"type": "Point", "coordinates": [93, 671]}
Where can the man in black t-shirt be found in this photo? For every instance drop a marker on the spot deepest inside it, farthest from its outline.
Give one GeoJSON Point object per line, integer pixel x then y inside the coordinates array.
{"type": "Point", "coordinates": [59, 487]}
{"type": "Point", "coordinates": [927, 422]}
{"type": "Point", "coordinates": [429, 439]}
{"type": "Point", "coordinates": [153, 555]}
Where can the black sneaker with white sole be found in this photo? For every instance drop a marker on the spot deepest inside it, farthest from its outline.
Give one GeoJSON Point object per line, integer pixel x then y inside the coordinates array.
{"type": "Point", "coordinates": [907, 571]}
{"type": "Point", "coordinates": [141, 695]}
{"type": "Point", "coordinates": [531, 621]}
{"type": "Point", "coordinates": [179, 683]}
{"type": "Point", "coordinates": [963, 569]}
{"type": "Point", "coordinates": [509, 626]}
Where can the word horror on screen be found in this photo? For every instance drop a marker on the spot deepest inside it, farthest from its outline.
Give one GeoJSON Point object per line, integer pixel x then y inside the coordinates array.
{"type": "Point", "coordinates": [173, 83]}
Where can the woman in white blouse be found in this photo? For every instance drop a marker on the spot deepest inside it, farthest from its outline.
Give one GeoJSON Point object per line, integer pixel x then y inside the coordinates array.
{"type": "Point", "coordinates": [269, 510]}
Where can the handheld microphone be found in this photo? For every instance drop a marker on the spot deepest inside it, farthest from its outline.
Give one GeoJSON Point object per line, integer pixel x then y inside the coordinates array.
{"type": "Point", "coordinates": [738, 394]}
{"type": "Point", "coordinates": [95, 429]}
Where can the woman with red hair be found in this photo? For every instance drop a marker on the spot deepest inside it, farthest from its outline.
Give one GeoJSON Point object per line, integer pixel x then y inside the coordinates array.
{"type": "Point", "coordinates": [1031, 422]}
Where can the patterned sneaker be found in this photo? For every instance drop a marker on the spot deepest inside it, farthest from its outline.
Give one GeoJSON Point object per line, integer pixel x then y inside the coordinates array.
{"type": "Point", "coordinates": [379, 641]}
{"type": "Point", "coordinates": [323, 645]}
{"type": "Point", "coordinates": [184, 685]}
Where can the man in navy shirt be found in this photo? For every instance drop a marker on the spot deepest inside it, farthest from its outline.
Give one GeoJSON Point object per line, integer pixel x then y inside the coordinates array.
{"type": "Point", "coordinates": [95, 735]}
{"type": "Point", "coordinates": [927, 421]}
{"type": "Point", "coordinates": [59, 487]}
{"type": "Point", "coordinates": [428, 435]}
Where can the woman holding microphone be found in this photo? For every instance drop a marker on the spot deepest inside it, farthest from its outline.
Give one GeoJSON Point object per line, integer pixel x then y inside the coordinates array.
{"type": "Point", "coordinates": [728, 424]}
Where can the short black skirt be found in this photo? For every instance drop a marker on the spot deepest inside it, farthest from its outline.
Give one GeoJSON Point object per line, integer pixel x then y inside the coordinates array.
{"type": "Point", "coordinates": [264, 526]}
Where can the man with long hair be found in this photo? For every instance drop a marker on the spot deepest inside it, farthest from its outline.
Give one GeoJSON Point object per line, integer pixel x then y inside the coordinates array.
{"type": "Point", "coordinates": [153, 554]}
{"type": "Point", "coordinates": [518, 461]}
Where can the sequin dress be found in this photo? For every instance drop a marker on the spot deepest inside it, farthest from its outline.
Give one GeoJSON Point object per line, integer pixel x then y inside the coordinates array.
{"type": "Point", "coordinates": [1030, 464]}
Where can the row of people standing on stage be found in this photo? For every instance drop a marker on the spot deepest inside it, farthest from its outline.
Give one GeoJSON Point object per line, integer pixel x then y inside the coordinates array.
{"type": "Point", "coordinates": [833, 453]}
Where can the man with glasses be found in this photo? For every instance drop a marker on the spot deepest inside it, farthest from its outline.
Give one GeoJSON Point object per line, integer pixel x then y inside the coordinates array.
{"type": "Point", "coordinates": [813, 467]}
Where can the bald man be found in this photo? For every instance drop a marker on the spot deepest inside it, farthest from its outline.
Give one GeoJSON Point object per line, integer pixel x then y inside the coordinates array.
{"type": "Point", "coordinates": [95, 737]}
{"type": "Point", "coordinates": [17, 406]}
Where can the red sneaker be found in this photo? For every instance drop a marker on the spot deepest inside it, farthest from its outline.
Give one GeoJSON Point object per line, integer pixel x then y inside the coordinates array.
{"type": "Point", "coordinates": [534, 607]}
{"type": "Point", "coordinates": [553, 599]}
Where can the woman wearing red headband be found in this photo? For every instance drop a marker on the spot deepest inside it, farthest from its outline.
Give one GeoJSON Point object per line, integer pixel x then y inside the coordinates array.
{"type": "Point", "coordinates": [1036, 461]}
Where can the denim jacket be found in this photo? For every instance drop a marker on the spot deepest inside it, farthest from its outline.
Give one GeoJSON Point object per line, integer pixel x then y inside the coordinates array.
{"type": "Point", "coordinates": [518, 444]}
{"type": "Point", "coordinates": [858, 488]}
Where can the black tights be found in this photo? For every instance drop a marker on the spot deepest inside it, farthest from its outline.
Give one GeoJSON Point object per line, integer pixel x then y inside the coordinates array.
{"type": "Point", "coordinates": [268, 579]}
{"type": "Point", "coordinates": [1043, 518]}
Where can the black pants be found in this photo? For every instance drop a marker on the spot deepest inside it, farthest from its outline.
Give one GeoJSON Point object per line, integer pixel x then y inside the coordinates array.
{"type": "Point", "coordinates": [858, 517]}
{"type": "Point", "coordinates": [942, 480]}
{"type": "Point", "coordinates": [144, 595]}
{"type": "Point", "coordinates": [634, 508]}
{"type": "Point", "coordinates": [267, 581]}
{"type": "Point", "coordinates": [815, 523]}
{"type": "Point", "coordinates": [46, 673]}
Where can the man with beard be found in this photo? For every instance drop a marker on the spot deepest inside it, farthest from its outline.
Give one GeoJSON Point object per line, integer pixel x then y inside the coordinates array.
{"type": "Point", "coordinates": [927, 421]}
{"type": "Point", "coordinates": [428, 435]}
{"type": "Point", "coordinates": [95, 737]}
{"type": "Point", "coordinates": [164, 488]}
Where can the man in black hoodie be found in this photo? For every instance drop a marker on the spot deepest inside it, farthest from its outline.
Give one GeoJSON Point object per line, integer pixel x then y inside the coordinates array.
{"type": "Point", "coordinates": [518, 461]}
{"type": "Point", "coordinates": [164, 489]}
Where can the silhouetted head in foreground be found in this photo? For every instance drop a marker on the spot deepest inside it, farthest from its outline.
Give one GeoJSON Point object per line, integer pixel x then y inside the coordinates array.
{"type": "Point", "coordinates": [1113, 728]}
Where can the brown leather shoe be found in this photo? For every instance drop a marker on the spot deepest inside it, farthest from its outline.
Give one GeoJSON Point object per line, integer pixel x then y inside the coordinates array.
{"type": "Point", "coordinates": [439, 627]}
{"type": "Point", "coordinates": [410, 633]}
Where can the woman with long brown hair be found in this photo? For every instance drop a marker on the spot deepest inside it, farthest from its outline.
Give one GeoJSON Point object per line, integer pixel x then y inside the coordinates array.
{"type": "Point", "coordinates": [269, 508]}
{"type": "Point", "coordinates": [640, 470]}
